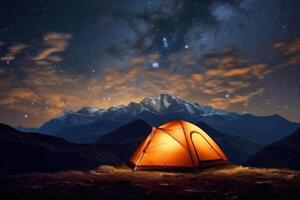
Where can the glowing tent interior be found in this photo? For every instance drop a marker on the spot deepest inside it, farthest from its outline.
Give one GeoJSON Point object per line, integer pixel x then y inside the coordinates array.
{"type": "Point", "coordinates": [176, 145]}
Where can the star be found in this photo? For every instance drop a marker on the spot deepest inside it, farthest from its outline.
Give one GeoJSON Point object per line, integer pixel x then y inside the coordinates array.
{"type": "Point", "coordinates": [155, 65]}
{"type": "Point", "coordinates": [186, 46]}
{"type": "Point", "coordinates": [165, 43]}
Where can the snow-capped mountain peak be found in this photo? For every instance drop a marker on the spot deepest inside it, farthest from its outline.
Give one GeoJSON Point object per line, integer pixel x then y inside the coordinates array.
{"type": "Point", "coordinates": [158, 102]}
{"type": "Point", "coordinates": [158, 105]}
{"type": "Point", "coordinates": [87, 124]}
{"type": "Point", "coordinates": [166, 103]}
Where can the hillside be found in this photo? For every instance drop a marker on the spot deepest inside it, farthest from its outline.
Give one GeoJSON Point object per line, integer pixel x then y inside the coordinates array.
{"type": "Point", "coordinates": [27, 152]}
{"type": "Point", "coordinates": [283, 153]}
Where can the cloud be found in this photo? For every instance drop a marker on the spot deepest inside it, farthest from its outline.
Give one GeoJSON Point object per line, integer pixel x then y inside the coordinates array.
{"type": "Point", "coordinates": [181, 76]}
{"type": "Point", "coordinates": [288, 47]}
{"type": "Point", "coordinates": [238, 98]}
{"type": "Point", "coordinates": [144, 60]}
{"type": "Point", "coordinates": [228, 72]}
{"type": "Point", "coordinates": [53, 43]}
{"type": "Point", "coordinates": [37, 88]}
{"type": "Point", "coordinates": [53, 91]}
{"type": "Point", "coordinates": [290, 50]}
{"type": "Point", "coordinates": [13, 51]}
{"type": "Point", "coordinates": [236, 72]}
{"type": "Point", "coordinates": [258, 70]}
{"type": "Point", "coordinates": [43, 91]}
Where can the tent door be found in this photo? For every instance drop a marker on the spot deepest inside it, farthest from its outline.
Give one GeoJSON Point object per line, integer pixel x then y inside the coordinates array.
{"type": "Point", "coordinates": [204, 150]}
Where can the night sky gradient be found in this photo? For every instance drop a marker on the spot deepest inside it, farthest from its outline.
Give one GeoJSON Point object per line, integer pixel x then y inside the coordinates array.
{"type": "Point", "coordinates": [241, 56]}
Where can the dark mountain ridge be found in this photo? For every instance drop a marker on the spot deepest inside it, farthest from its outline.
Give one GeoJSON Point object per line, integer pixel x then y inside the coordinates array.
{"type": "Point", "coordinates": [236, 148]}
{"type": "Point", "coordinates": [88, 124]}
{"type": "Point", "coordinates": [29, 152]}
{"type": "Point", "coordinates": [131, 134]}
{"type": "Point", "coordinates": [283, 153]}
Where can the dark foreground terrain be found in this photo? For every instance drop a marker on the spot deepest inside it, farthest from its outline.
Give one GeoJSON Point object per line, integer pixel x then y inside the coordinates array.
{"type": "Point", "coordinates": [232, 182]}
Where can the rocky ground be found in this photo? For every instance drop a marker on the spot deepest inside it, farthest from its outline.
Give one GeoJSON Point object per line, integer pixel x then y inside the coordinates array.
{"type": "Point", "coordinates": [106, 182]}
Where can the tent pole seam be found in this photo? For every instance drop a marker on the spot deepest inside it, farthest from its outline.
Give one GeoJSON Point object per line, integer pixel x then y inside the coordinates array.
{"type": "Point", "coordinates": [144, 149]}
{"type": "Point", "coordinates": [194, 147]}
{"type": "Point", "coordinates": [208, 143]}
{"type": "Point", "coordinates": [190, 153]}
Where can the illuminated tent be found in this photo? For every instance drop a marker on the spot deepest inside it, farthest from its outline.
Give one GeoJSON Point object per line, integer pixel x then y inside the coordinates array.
{"type": "Point", "coordinates": [176, 145]}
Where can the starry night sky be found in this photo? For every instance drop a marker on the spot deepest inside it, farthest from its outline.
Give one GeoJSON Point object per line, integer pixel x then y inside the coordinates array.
{"type": "Point", "coordinates": [241, 55]}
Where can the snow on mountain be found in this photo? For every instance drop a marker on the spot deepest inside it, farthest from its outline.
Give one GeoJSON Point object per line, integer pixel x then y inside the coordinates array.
{"type": "Point", "coordinates": [159, 104]}
{"type": "Point", "coordinates": [71, 118]}
{"type": "Point", "coordinates": [165, 103]}
{"type": "Point", "coordinates": [89, 110]}
{"type": "Point", "coordinates": [154, 105]}
{"type": "Point", "coordinates": [84, 112]}
{"type": "Point", "coordinates": [87, 124]}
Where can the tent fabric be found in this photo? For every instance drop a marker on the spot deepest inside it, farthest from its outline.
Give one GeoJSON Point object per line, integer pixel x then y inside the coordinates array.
{"type": "Point", "coordinates": [177, 144]}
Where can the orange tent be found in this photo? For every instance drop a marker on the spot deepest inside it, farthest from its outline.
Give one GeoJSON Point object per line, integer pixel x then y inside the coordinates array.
{"type": "Point", "coordinates": [176, 145]}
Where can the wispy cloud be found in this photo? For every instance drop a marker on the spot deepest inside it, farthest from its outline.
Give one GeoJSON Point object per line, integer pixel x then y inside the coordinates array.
{"type": "Point", "coordinates": [291, 50]}
{"type": "Point", "coordinates": [42, 92]}
{"type": "Point", "coordinates": [237, 98]}
{"type": "Point", "coordinates": [53, 43]}
{"type": "Point", "coordinates": [13, 51]}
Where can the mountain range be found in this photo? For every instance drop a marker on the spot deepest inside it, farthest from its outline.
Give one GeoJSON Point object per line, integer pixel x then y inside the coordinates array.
{"type": "Point", "coordinates": [88, 124]}
{"type": "Point", "coordinates": [88, 137]}
{"type": "Point", "coordinates": [22, 152]}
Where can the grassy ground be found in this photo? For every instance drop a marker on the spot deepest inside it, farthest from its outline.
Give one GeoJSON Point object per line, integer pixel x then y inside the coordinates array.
{"type": "Point", "coordinates": [106, 182]}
